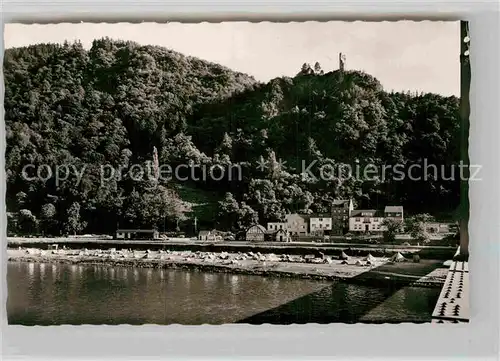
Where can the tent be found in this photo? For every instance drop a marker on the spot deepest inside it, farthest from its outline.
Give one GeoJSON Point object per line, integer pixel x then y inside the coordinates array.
{"type": "Point", "coordinates": [398, 257]}
{"type": "Point", "coordinates": [344, 262]}
{"type": "Point", "coordinates": [370, 258]}
{"type": "Point", "coordinates": [358, 263]}
{"type": "Point", "coordinates": [344, 256]}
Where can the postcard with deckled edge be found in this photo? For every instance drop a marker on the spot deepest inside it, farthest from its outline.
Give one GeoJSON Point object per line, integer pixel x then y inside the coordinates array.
{"type": "Point", "coordinates": [236, 172]}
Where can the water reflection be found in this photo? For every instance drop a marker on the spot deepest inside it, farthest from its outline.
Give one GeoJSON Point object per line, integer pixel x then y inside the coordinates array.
{"type": "Point", "coordinates": [101, 295]}
{"type": "Point", "coordinates": [31, 270]}
{"type": "Point", "coordinates": [209, 279]}
{"type": "Point", "coordinates": [235, 284]}
{"type": "Point", "coordinates": [42, 271]}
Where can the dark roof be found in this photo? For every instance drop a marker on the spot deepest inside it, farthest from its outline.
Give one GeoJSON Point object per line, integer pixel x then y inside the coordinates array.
{"type": "Point", "coordinates": [136, 230]}
{"type": "Point", "coordinates": [358, 212]}
{"type": "Point", "coordinates": [305, 217]}
{"type": "Point", "coordinates": [321, 215]}
{"type": "Point", "coordinates": [262, 228]}
{"type": "Point", "coordinates": [393, 209]}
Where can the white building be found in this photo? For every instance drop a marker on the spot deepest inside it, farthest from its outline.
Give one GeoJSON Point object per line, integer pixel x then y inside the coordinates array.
{"type": "Point", "coordinates": [394, 212]}
{"type": "Point", "coordinates": [366, 220]}
{"type": "Point", "coordinates": [320, 223]}
{"type": "Point", "coordinates": [274, 226]}
{"type": "Point", "coordinates": [297, 225]}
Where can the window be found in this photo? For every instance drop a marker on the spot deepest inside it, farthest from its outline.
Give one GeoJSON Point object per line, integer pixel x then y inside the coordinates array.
{"type": "Point", "coordinates": [321, 219]}
{"type": "Point", "coordinates": [358, 219]}
{"type": "Point", "coordinates": [281, 226]}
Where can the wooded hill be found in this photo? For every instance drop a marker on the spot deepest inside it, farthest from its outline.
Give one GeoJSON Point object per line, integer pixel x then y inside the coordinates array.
{"type": "Point", "coordinates": [112, 104]}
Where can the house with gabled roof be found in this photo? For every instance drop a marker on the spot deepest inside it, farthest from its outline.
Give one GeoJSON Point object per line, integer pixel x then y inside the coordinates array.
{"type": "Point", "coordinates": [297, 224]}
{"type": "Point", "coordinates": [394, 212]}
{"type": "Point", "coordinates": [366, 220]}
{"type": "Point", "coordinates": [319, 224]}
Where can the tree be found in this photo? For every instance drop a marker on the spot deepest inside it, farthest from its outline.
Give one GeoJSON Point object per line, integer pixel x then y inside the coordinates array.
{"type": "Point", "coordinates": [228, 212]}
{"type": "Point", "coordinates": [317, 69]}
{"type": "Point", "coordinates": [28, 223]}
{"type": "Point", "coordinates": [73, 223]}
{"type": "Point", "coordinates": [392, 227]}
{"type": "Point", "coordinates": [47, 217]}
{"type": "Point", "coordinates": [417, 227]}
{"type": "Point", "coordinates": [306, 69]}
{"type": "Point", "coordinates": [21, 198]}
{"type": "Point", "coordinates": [246, 216]}
{"type": "Point", "coordinates": [12, 223]}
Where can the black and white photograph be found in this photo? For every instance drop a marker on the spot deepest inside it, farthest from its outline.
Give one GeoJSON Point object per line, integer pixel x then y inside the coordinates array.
{"type": "Point", "coordinates": [237, 172]}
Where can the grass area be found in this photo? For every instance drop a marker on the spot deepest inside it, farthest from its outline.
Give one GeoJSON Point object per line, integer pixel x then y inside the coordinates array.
{"type": "Point", "coordinates": [204, 203]}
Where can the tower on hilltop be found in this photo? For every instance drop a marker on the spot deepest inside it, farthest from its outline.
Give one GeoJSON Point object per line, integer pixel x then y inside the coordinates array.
{"type": "Point", "coordinates": [342, 61]}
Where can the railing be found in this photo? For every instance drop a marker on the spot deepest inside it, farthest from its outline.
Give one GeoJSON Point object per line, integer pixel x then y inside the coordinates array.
{"type": "Point", "coordinates": [453, 303]}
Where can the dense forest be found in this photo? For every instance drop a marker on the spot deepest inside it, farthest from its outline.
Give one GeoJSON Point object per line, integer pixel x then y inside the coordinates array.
{"type": "Point", "coordinates": [112, 105]}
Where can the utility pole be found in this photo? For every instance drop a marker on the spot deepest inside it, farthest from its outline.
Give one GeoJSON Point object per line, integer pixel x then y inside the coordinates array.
{"type": "Point", "coordinates": [465, 75]}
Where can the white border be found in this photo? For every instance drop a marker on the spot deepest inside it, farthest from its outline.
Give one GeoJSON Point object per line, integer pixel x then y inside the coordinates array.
{"type": "Point", "coordinates": [479, 339]}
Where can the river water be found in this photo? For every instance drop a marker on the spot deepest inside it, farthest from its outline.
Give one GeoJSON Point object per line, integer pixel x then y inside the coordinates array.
{"type": "Point", "coordinates": [54, 294]}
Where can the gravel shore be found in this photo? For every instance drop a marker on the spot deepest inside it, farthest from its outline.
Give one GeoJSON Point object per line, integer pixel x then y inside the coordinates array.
{"type": "Point", "coordinates": [325, 267]}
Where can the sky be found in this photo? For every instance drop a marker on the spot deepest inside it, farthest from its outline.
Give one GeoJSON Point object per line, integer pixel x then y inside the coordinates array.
{"type": "Point", "coordinates": [403, 55]}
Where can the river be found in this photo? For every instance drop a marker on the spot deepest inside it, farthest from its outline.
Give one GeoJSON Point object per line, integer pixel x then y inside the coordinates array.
{"type": "Point", "coordinates": [54, 294]}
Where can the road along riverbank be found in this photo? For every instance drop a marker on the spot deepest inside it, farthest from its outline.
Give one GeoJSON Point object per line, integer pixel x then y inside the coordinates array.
{"type": "Point", "coordinates": [358, 269]}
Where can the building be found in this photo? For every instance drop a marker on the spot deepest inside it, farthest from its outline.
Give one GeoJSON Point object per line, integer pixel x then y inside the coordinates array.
{"type": "Point", "coordinates": [436, 227]}
{"type": "Point", "coordinates": [394, 212]}
{"type": "Point", "coordinates": [137, 234]}
{"type": "Point", "coordinates": [209, 236]}
{"type": "Point", "coordinates": [297, 224]}
{"type": "Point", "coordinates": [274, 226]}
{"type": "Point", "coordinates": [366, 220]}
{"type": "Point", "coordinates": [255, 233]}
{"type": "Point", "coordinates": [340, 213]}
{"type": "Point", "coordinates": [281, 235]}
{"type": "Point", "coordinates": [320, 223]}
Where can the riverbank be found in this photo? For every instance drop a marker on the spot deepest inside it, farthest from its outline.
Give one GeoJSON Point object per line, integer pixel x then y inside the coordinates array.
{"type": "Point", "coordinates": [430, 273]}
{"type": "Point", "coordinates": [292, 248]}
